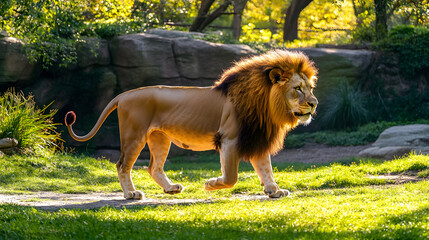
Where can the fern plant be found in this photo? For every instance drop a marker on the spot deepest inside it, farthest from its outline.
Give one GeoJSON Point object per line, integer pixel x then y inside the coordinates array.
{"type": "Point", "coordinates": [346, 108]}
{"type": "Point", "coordinates": [33, 128]}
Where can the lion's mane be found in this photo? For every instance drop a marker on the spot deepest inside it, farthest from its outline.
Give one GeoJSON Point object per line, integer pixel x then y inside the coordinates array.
{"type": "Point", "coordinates": [248, 86]}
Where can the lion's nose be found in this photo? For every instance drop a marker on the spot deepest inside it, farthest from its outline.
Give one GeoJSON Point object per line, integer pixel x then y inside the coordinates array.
{"type": "Point", "coordinates": [312, 103]}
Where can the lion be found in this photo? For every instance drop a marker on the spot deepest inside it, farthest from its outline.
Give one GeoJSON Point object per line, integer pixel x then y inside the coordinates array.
{"type": "Point", "coordinates": [245, 115]}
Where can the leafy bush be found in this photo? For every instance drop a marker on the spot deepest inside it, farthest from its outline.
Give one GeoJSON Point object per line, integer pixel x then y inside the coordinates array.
{"type": "Point", "coordinates": [23, 121]}
{"type": "Point", "coordinates": [412, 45]}
{"type": "Point", "coordinates": [106, 30]}
{"type": "Point", "coordinates": [51, 29]}
{"type": "Point", "coordinates": [345, 109]}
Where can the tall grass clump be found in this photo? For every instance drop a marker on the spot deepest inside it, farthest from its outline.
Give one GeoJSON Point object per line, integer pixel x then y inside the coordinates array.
{"type": "Point", "coordinates": [32, 127]}
{"type": "Point", "coordinates": [345, 109]}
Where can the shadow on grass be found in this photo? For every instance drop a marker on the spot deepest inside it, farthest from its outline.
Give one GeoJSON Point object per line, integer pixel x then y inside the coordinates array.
{"type": "Point", "coordinates": [151, 222]}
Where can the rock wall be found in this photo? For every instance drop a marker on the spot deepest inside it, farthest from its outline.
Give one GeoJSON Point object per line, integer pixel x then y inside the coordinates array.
{"type": "Point", "coordinates": [107, 68]}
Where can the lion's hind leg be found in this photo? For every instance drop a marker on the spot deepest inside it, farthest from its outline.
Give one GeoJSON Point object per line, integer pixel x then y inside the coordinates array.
{"type": "Point", "coordinates": [159, 146]}
{"type": "Point", "coordinates": [130, 150]}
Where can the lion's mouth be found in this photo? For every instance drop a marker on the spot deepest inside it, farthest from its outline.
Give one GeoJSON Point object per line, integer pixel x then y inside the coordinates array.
{"type": "Point", "coordinates": [301, 114]}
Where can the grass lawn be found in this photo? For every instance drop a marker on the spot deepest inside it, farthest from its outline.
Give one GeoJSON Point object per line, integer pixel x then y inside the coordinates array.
{"type": "Point", "coordinates": [335, 201]}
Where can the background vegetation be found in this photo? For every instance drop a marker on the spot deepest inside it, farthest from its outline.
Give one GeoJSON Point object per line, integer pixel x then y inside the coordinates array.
{"type": "Point", "coordinates": [52, 28]}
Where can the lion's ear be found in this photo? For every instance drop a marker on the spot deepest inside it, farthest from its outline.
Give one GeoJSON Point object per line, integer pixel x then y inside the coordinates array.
{"type": "Point", "coordinates": [276, 75]}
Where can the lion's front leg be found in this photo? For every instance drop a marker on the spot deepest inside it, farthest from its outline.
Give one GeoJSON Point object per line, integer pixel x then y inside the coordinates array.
{"type": "Point", "coordinates": [264, 170]}
{"type": "Point", "coordinates": [229, 161]}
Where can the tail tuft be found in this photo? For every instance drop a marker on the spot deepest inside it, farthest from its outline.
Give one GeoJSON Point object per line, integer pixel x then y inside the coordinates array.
{"type": "Point", "coordinates": [70, 118]}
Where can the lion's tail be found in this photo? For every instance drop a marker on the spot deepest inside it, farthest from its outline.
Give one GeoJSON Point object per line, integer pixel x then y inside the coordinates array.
{"type": "Point", "coordinates": [70, 119]}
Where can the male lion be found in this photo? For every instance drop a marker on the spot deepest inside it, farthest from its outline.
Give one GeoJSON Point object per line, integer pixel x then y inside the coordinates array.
{"type": "Point", "coordinates": [245, 115]}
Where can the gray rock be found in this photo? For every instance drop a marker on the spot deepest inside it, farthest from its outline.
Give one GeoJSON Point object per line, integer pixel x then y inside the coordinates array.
{"type": "Point", "coordinates": [139, 57]}
{"type": "Point", "coordinates": [198, 59]}
{"type": "Point", "coordinates": [175, 34]}
{"type": "Point", "coordinates": [8, 143]}
{"type": "Point", "coordinates": [360, 59]}
{"type": "Point", "coordinates": [144, 50]}
{"type": "Point", "coordinates": [337, 65]}
{"type": "Point", "coordinates": [14, 65]}
{"type": "Point", "coordinates": [105, 89]}
{"type": "Point", "coordinates": [93, 52]}
{"type": "Point", "coordinates": [398, 141]}
{"type": "Point", "coordinates": [8, 146]}
{"type": "Point", "coordinates": [130, 78]}
{"type": "Point", "coordinates": [47, 91]}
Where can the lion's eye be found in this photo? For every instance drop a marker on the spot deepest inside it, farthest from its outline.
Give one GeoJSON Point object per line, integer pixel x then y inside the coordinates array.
{"type": "Point", "coordinates": [298, 89]}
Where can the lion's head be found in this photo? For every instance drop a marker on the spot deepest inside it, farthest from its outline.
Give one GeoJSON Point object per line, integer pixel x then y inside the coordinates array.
{"type": "Point", "coordinates": [272, 94]}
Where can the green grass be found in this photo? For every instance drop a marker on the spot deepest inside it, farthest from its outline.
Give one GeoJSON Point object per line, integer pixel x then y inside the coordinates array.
{"type": "Point", "coordinates": [400, 212]}
{"type": "Point", "coordinates": [329, 201]}
{"type": "Point", "coordinates": [78, 174]}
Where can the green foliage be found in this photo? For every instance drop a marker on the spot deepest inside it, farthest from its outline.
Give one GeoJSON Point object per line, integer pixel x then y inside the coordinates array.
{"type": "Point", "coordinates": [414, 105]}
{"type": "Point", "coordinates": [365, 134]}
{"type": "Point", "coordinates": [49, 28]}
{"type": "Point", "coordinates": [411, 44]}
{"type": "Point", "coordinates": [346, 108]}
{"type": "Point", "coordinates": [23, 121]}
{"type": "Point", "coordinates": [106, 30]}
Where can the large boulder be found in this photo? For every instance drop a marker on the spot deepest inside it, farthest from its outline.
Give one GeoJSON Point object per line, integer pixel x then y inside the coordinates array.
{"type": "Point", "coordinates": [398, 141]}
{"type": "Point", "coordinates": [141, 57]}
{"type": "Point", "coordinates": [14, 65]}
{"type": "Point", "coordinates": [93, 51]}
{"type": "Point", "coordinates": [175, 34]}
{"type": "Point", "coordinates": [337, 65]}
{"type": "Point", "coordinates": [198, 59]}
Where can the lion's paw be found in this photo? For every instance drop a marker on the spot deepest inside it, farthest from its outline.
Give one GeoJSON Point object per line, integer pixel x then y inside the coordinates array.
{"type": "Point", "coordinates": [174, 189]}
{"type": "Point", "coordinates": [280, 193]}
{"type": "Point", "coordinates": [209, 184]}
{"type": "Point", "coordinates": [134, 195]}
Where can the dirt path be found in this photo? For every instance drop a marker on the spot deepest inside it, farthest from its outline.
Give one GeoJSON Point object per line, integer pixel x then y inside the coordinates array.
{"type": "Point", "coordinates": [318, 153]}
{"type": "Point", "coordinates": [51, 201]}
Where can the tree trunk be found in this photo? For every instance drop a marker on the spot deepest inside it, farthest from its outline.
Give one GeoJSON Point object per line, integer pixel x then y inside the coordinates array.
{"type": "Point", "coordinates": [380, 19]}
{"type": "Point", "coordinates": [356, 12]}
{"type": "Point", "coordinates": [239, 6]}
{"type": "Point", "coordinates": [215, 14]}
{"type": "Point", "coordinates": [162, 11]}
{"type": "Point", "coordinates": [202, 14]}
{"type": "Point", "coordinates": [203, 19]}
{"type": "Point", "coordinates": [290, 28]}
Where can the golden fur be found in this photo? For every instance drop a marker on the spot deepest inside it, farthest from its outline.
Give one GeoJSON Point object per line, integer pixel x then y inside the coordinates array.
{"type": "Point", "coordinates": [245, 115]}
{"type": "Point", "coordinates": [260, 108]}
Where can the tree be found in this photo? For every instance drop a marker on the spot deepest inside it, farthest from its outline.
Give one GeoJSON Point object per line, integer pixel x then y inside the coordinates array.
{"type": "Point", "coordinates": [290, 27]}
{"type": "Point", "coordinates": [239, 6]}
{"type": "Point", "coordinates": [204, 18]}
{"type": "Point", "coordinates": [380, 19]}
